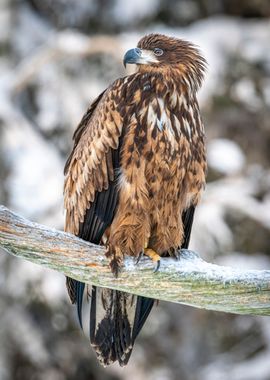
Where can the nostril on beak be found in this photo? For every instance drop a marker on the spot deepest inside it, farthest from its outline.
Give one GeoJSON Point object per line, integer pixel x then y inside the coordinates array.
{"type": "Point", "coordinates": [138, 51]}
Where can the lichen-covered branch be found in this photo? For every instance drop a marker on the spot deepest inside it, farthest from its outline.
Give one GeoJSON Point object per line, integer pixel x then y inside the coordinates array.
{"type": "Point", "coordinates": [189, 280]}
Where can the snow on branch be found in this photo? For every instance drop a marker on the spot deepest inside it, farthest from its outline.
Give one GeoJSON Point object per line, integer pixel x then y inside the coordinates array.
{"type": "Point", "coordinates": [189, 280]}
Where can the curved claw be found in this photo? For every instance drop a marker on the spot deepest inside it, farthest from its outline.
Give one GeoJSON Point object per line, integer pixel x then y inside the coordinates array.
{"type": "Point", "coordinates": [139, 258]}
{"type": "Point", "coordinates": [157, 266]}
{"type": "Point", "coordinates": [173, 252]}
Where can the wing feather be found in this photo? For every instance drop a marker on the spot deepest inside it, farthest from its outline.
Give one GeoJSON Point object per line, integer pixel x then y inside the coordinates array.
{"type": "Point", "coordinates": [90, 193]}
{"type": "Point", "coordinates": [187, 218]}
{"type": "Point", "coordinates": [91, 167]}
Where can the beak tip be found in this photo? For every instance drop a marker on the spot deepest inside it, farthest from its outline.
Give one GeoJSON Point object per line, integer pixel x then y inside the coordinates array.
{"type": "Point", "coordinates": [132, 56]}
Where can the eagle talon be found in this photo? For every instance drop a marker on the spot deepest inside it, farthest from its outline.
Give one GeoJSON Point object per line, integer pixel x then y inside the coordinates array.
{"type": "Point", "coordinates": [154, 257]}
{"type": "Point", "coordinates": [173, 252]}
{"type": "Point", "coordinates": [157, 267]}
{"type": "Point", "coordinates": [139, 258]}
{"type": "Point", "coordinates": [178, 253]}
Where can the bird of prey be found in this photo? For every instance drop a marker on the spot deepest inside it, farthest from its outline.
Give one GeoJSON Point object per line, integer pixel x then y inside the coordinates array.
{"type": "Point", "coordinates": [134, 178]}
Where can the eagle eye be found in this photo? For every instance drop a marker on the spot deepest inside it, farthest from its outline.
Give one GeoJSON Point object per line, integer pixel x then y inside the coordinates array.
{"type": "Point", "coordinates": [158, 52]}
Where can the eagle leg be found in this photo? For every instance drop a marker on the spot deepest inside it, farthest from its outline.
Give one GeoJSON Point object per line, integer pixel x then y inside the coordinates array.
{"type": "Point", "coordinates": [116, 259]}
{"type": "Point", "coordinates": [154, 257]}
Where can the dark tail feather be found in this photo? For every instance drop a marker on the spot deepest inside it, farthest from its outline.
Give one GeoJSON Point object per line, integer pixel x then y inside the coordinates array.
{"type": "Point", "coordinates": [75, 291]}
{"type": "Point", "coordinates": [79, 288]}
{"type": "Point", "coordinates": [116, 319]}
{"type": "Point", "coordinates": [143, 308]}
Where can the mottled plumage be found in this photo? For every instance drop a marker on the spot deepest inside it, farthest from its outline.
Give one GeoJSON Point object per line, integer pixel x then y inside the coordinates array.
{"type": "Point", "coordinates": [135, 176]}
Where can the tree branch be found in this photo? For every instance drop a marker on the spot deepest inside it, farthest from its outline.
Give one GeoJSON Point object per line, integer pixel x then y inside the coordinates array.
{"type": "Point", "coordinates": [189, 281]}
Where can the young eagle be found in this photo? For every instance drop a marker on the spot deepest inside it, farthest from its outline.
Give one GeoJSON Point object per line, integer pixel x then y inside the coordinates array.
{"type": "Point", "coordinates": [134, 178]}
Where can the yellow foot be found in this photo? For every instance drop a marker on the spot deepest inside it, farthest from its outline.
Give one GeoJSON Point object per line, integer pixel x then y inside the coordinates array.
{"type": "Point", "coordinates": [154, 257]}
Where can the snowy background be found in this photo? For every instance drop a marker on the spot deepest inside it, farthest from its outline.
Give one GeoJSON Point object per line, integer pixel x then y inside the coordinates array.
{"type": "Point", "coordinates": [56, 56]}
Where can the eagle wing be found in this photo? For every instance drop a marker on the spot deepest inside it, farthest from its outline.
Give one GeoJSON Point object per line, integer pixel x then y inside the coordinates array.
{"type": "Point", "coordinates": [91, 167]}
{"type": "Point", "coordinates": [90, 194]}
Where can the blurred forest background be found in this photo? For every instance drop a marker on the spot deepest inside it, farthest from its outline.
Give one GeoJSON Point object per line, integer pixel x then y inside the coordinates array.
{"type": "Point", "coordinates": [56, 56]}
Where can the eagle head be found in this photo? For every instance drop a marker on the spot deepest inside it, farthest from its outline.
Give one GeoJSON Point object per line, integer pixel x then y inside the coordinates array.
{"type": "Point", "coordinates": [168, 55]}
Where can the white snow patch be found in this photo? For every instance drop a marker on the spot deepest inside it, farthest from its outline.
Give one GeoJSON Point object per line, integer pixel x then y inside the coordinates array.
{"type": "Point", "coordinates": [53, 286]}
{"type": "Point", "coordinates": [225, 156]}
{"type": "Point", "coordinates": [36, 179]}
{"type": "Point", "coordinates": [244, 91]}
{"type": "Point", "coordinates": [72, 42]}
{"type": "Point", "coordinates": [126, 12]}
{"type": "Point", "coordinates": [30, 32]}
{"type": "Point", "coordinates": [257, 367]}
{"type": "Point", "coordinates": [243, 261]}
{"type": "Point", "coordinates": [238, 194]}
{"type": "Point", "coordinates": [210, 233]}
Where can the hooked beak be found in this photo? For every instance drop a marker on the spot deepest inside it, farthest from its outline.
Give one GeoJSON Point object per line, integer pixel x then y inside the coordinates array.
{"type": "Point", "coordinates": [139, 57]}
